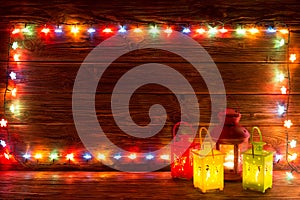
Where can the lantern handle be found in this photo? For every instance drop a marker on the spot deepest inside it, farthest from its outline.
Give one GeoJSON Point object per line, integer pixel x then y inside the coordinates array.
{"type": "Point", "coordinates": [209, 137]}
{"type": "Point", "coordinates": [259, 132]}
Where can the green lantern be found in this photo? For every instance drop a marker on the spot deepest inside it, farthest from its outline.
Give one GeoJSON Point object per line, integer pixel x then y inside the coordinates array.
{"type": "Point", "coordinates": [208, 166]}
{"type": "Point", "coordinates": [257, 166]}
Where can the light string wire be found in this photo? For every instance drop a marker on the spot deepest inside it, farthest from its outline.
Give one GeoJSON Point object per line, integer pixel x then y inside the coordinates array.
{"type": "Point", "coordinates": [293, 167]}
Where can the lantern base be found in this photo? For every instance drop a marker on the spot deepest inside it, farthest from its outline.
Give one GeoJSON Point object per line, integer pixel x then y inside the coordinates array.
{"type": "Point", "coordinates": [232, 177]}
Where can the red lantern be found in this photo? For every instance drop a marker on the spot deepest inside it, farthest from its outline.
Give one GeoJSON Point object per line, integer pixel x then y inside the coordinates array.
{"type": "Point", "coordinates": [181, 157]}
{"type": "Point", "coordinates": [233, 139]}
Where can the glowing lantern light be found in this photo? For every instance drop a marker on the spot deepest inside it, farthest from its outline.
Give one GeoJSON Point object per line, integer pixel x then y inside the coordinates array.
{"type": "Point", "coordinates": [181, 156]}
{"type": "Point", "coordinates": [200, 30]}
{"type": "Point", "coordinates": [168, 30]}
{"type": "Point", "coordinates": [58, 30]}
{"type": "Point", "coordinates": [117, 157]}
{"type": "Point", "coordinates": [231, 139]}
{"type": "Point", "coordinates": [293, 143]}
{"type": "Point", "coordinates": [241, 31]}
{"type": "Point", "coordinates": [2, 143]}
{"type": "Point", "coordinates": [257, 166]}
{"type": "Point", "coordinates": [271, 30]}
{"type": "Point", "coordinates": [14, 92]}
{"type": "Point", "coordinates": [292, 57]}
{"type": "Point", "coordinates": [137, 30]}
{"type": "Point", "coordinates": [284, 31]}
{"type": "Point", "coordinates": [186, 30]}
{"type": "Point", "coordinates": [253, 30]}
{"type": "Point", "coordinates": [25, 30]}
{"type": "Point", "coordinates": [3, 123]}
{"type": "Point", "coordinates": [122, 29]}
{"type": "Point", "coordinates": [74, 30]}
{"type": "Point", "coordinates": [14, 45]}
{"type": "Point", "coordinates": [278, 157]}
{"type": "Point", "coordinates": [282, 42]}
{"type": "Point", "coordinates": [132, 156]}
{"type": "Point", "coordinates": [15, 31]}
{"type": "Point", "coordinates": [208, 167]}
{"type": "Point", "coordinates": [149, 157]}
{"type": "Point", "coordinates": [101, 156]}
{"type": "Point", "coordinates": [223, 30]}
{"type": "Point", "coordinates": [26, 156]}
{"type": "Point", "coordinates": [292, 157]}
{"type": "Point", "coordinates": [289, 175]}
{"type": "Point", "coordinates": [281, 109]}
{"type": "Point", "coordinates": [38, 156]}
{"type": "Point", "coordinates": [279, 43]}
{"type": "Point", "coordinates": [17, 57]}
{"type": "Point", "coordinates": [165, 157]}
{"type": "Point", "coordinates": [91, 30]}
{"type": "Point", "coordinates": [13, 76]}
{"type": "Point", "coordinates": [288, 123]}
{"type": "Point", "coordinates": [45, 30]}
{"type": "Point", "coordinates": [283, 90]}
{"type": "Point", "coordinates": [281, 77]}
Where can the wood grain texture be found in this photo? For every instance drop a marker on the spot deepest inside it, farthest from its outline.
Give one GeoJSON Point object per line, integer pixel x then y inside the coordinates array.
{"type": "Point", "coordinates": [248, 65]}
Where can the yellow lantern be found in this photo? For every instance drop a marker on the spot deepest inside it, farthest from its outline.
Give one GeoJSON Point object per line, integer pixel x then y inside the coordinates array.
{"type": "Point", "coordinates": [257, 166]}
{"type": "Point", "coordinates": [208, 167]}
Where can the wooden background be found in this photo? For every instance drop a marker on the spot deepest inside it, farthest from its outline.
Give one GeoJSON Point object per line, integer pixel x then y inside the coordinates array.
{"type": "Point", "coordinates": [248, 66]}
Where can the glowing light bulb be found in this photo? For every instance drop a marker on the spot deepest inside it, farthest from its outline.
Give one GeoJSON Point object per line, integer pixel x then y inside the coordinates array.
{"type": "Point", "coordinates": [271, 30]}
{"type": "Point", "coordinates": [149, 157]}
{"type": "Point", "coordinates": [293, 143]}
{"type": "Point", "coordinates": [278, 157]}
{"type": "Point", "coordinates": [53, 156]}
{"type": "Point", "coordinates": [26, 156]}
{"type": "Point", "coordinates": [3, 123]}
{"type": "Point", "coordinates": [12, 108]}
{"type": "Point", "coordinates": [14, 45]}
{"type": "Point", "coordinates": [2, 143]}
{"type": "Point", "coordinates": [292, 57]}
{"type": "Point", "coordinates": [13, 75]}
{"type": "Point", "coordinates": [101, 156]}
{"type": "Point", "coordinates": [165, 157]}
{"type": "Point", "coordinates": [70, 156]}
{"type": "Point", "coordinates": [14, 92]}
{"type": "Point", "coordinates": [253, 30]}
{"type": "Point", "coordinates": [154, 30]}
{"type": "Point", "coordinates": [241, 31]}
{"type": "Point", "coordinates": [87, 156]}
{"type": "Point", "coordinates": [223, 30]}
{"type": "Point", "coordinates": [293, 157]}
{"type": "Point", "coordinates": [168, 30]}
{"type": "Point", "coordinates": [17, 57]}
{"type": "Point", "coordinates": [38, 156]}
{"type": "Point", "coordinates": [281, 77]}
{"type": "Point", "coordinates": [6, 156]}
{"type": "Point", "coordinates": [132, 156]}
{"type": "Point", "coordinates": [25, 30]}
{"type": "Point", "coordinates": [200, 30]}
{"type": "Point", "coordinates": [284, 31]}
{"type": "Point", "coordinates": [107, 30]}
{"type": "Point", "coordinates": [279, 43]}
{"type": "Point", "coordinates": [45, 30]}
{"type": "Point", "coordinates": [91, 30]}
{"type": "Point", "coordinates": [212, 30]}
{"type": "Point", "coordinates": [58, 30]}
{"type": "Point", "coordinates": [186, 30]}
{"type": "Point", "coordinates": [117, 156]}
{"type": "Point", "coordinates": [137, 30]}
{"type": "Point", "coordinates": [289, 175]}
{"type": "Point", "coordinates": [16, 30]}
{"type": "Point", "coordinates": [288, 123]}
{"type": "Point", "coordinates": [122, 29]}
{"type": "Point", "coordinates": [74, 30]}
{"type": "Point", "coordinates": [281, 109]}
{"type": "Point", "coordinates": [283, 90]}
